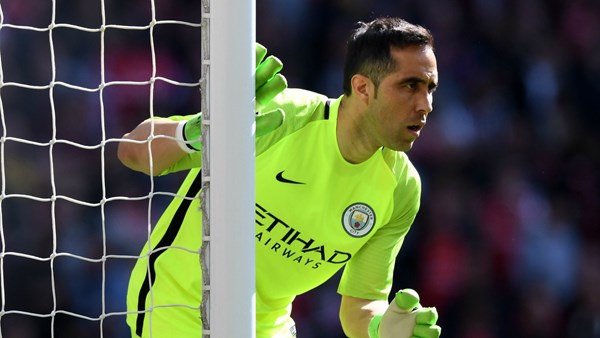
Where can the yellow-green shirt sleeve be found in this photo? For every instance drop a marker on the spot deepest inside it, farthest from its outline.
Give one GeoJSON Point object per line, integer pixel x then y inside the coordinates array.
{"type": "Point", "coordinates": [369, 274]}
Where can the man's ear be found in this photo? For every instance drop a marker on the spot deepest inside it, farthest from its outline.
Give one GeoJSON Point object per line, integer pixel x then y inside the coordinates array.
{"type": "Point", "coordinates": [363, 87]}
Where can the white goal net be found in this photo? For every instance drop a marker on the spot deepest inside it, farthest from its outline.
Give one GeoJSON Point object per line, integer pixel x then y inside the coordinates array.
{"type": "Point", "coordinates": [74, 77]}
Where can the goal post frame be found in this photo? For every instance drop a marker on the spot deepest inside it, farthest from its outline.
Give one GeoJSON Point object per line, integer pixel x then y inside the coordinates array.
{"type": "Point", "coordinates": [230, 175]}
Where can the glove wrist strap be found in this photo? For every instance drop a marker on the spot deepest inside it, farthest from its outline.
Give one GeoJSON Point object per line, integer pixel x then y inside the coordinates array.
{"type": "Point", "coordinates": [374, 326]}
{"type": "Point", "coordinates": [182, 142]}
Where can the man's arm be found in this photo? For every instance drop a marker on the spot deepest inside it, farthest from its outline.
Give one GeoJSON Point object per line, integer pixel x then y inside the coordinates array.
{"type": "Point", "coordinates": [184, 140]}
{"type": "Point", "coordinates": [165, 151]}
{"type": "Point", "coordinates": [356, 314]}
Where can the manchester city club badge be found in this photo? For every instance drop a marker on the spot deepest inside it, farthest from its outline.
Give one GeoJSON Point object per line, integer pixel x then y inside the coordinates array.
{"type": "Point", "coordinates": [358, 219]}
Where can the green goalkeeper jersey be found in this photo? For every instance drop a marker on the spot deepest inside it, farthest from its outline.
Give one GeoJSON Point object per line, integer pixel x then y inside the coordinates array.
{"type": "Point", "coordinates": [316, 213]}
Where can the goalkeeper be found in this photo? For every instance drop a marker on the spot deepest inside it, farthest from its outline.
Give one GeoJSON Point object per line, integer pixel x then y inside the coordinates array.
{"type": "Point", "coordinates": [334, 189]}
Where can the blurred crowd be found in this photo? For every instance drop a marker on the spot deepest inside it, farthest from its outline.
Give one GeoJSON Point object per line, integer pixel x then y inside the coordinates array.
{"type": "Point", "coordinates": [507, 242]}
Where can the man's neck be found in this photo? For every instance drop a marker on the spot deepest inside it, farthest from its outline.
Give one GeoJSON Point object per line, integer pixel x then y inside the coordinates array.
{"type": "Point", "coordinates": [353, 138]}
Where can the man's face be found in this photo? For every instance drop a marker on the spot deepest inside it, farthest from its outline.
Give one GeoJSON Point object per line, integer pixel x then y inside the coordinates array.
{"type": "Point", "coordinates": [404, 98]}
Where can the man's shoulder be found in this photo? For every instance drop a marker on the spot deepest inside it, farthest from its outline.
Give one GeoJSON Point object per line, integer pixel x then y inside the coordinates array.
{"type": "Point", "coordinates": [400, 164]}
{"type": "Point", "coordinates": [299, 98]}
{"type": "Point", "coordinates": [300, 107]}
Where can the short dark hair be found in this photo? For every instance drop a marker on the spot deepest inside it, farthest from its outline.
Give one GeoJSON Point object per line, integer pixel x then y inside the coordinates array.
{"type": "Point", "coordinates": [368, 48]}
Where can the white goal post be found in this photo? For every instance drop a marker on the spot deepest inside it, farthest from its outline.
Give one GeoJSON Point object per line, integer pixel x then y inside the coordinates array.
{"type": "Point", "coordinates": [229, 180]}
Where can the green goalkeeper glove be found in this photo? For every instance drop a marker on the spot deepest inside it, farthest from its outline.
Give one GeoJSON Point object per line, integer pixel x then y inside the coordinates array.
{"type": "Point", "coordinates": [189, 134]}
{"type": "Point", "coordinates": [268, 83]}
{"type": "Point", "coordinates": [405, 318]}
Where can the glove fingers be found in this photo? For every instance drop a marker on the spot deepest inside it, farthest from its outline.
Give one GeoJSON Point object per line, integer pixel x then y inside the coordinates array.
{"type": "Point", "coordinates": [427, 331]}
{"type": "Point", "coordinates": [267, 122]}
{"type": "Point", "coordinates": [266, 70]}
{"type": "Point", "coordinates": [407, 299]}
{"type": "Point", "coordinates": [268, 91]}
{"type": "Point", "coordinates": [268, 83]}
{"type": "Point", "coordinates": [426, 316]}
{"type": "Point", "coordinates": [261, 52]}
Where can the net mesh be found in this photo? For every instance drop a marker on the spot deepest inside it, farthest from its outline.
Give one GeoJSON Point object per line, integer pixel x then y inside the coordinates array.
{"type": "Point", "coordinates": [74, 77]}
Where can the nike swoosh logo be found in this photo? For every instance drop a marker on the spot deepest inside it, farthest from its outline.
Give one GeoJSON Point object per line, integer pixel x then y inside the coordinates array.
{"type": "Point", "coordinates": [280, 178]}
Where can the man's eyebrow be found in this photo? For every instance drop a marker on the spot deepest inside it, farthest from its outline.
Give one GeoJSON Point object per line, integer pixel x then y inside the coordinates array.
{"type": "Point", "coordinates": [413, 79]}
{"type": "Point", "coordinates": [419, 80]}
